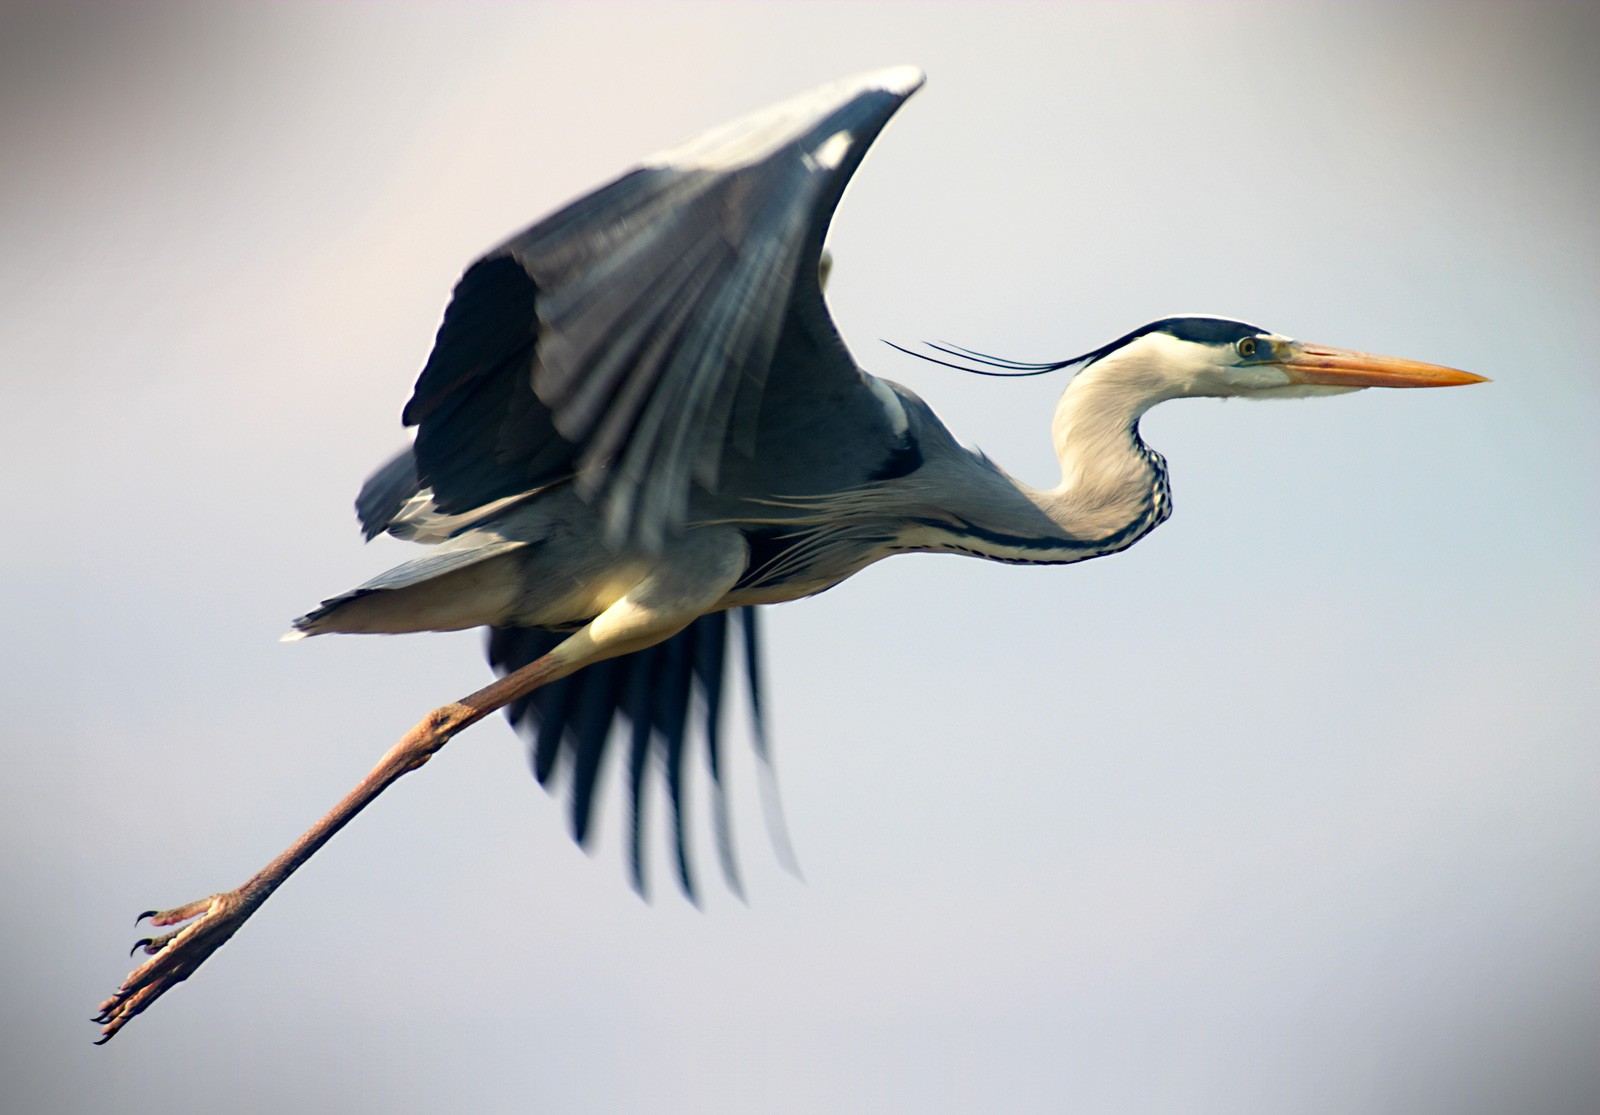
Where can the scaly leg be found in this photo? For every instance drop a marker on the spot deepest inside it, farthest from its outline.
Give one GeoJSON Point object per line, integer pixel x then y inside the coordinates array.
{"type": "Point", "coordinates": [698, 575]}
{"type": "Point", "coordinates": [706, 565]}
{"type": "Point", "coordinates": [175, 956]}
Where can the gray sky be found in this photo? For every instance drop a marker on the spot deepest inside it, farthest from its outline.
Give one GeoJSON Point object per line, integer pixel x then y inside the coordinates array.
{"type": "Point", "coordinates": [1293, 807]}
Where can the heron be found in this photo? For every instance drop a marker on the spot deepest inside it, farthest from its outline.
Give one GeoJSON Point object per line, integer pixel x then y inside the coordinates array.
{"type": "Point", "coordinates": [638, 419]}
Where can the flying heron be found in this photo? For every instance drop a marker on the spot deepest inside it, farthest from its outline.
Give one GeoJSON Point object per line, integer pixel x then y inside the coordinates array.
{"type": "Point", "coordinates": [638, 416]}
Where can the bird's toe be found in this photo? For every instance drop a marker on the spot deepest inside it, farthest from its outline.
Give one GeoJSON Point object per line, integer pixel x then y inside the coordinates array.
{"type": "Point", "coordinates": [173, 956]}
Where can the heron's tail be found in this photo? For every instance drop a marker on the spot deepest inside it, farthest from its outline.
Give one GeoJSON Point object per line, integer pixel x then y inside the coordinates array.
{"type": "Point", "coordinates": [464, 583]}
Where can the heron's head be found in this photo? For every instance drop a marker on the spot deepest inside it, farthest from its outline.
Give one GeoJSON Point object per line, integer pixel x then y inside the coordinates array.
{"type": "Point", "coordinates": [1186, 357]}
{"type": "Point", "coordinates": [1208, 357]}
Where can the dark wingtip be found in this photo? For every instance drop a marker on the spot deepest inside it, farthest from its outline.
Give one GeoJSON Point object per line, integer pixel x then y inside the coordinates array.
{"type": "Point", "coordinates": [655, 689]}
{"type": "Point", "coordinates": [686, 881]}
{"type": "Point", "coordinates": [693, 898]}
{"type": "Point", "coordinates": [385, 492]}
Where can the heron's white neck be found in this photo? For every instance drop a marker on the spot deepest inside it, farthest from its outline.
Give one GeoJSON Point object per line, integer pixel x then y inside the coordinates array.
{"type": "Point", "coordinates": [1112, 493]}
{"type": "Point", "coordinates": [1107, 474]}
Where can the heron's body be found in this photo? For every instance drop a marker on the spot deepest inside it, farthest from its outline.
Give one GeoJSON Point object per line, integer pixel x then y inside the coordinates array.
{"type": "Point", "coordinates": [638, 416]}
{"type": "Point", "coordinates": [543, 561]}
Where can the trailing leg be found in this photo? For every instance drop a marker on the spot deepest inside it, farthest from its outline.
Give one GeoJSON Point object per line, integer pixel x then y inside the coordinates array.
{"type": "Point", "coordinates": [662, 604]}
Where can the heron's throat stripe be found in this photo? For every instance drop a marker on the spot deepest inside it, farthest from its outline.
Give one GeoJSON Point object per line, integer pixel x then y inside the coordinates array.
{"type": "Point", "coordinates": [969, 538]}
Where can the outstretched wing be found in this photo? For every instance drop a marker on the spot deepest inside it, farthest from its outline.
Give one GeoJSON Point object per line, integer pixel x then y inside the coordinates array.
{"type": "Point", "coordinates": [627, 341]}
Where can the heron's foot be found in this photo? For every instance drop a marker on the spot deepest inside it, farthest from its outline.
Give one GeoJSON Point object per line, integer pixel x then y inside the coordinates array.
{"type": "Point", "coordinates": [174, 956]}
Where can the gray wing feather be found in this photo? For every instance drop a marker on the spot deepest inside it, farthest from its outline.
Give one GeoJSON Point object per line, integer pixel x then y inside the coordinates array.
{"type": "Point", "coordinates": [574, 722]}
{"type": "Point", "coordinates": [386, 492]}
{"type": "Point", "coordinates": [628, 340]}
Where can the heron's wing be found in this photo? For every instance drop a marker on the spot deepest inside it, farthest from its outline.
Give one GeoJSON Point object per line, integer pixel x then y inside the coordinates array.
{"type": "Point", "coordinates": [627, 340]}
{"type": "Point", "coordinates": [570, 724]}
{"type": "Point", "coordinates": [386, 492]}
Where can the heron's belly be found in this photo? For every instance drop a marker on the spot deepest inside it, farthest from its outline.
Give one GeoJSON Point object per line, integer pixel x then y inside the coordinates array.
{"type": "Point", "coordinates": [571, 598]}
{"type": "Point", "coordinates": [800, 565]}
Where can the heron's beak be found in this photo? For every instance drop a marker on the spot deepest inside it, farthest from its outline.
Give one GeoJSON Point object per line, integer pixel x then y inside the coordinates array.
{"type": "Point", "coordinates": [1338, 367]}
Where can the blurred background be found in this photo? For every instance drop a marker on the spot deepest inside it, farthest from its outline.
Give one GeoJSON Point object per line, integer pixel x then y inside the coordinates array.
{"type": "Point", "coordinates": [1295, 807]}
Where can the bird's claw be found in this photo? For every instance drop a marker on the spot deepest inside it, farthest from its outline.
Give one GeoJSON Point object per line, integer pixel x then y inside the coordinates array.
{"type": "Point", "coordinates": [153, 945]}
{"type": "Point", "coordinates": [174, 956]}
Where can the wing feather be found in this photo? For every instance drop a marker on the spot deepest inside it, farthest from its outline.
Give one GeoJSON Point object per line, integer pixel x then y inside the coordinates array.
{"type": "Point", "coordinates": [664, 332]}
{"type": "Point", "coordinates": [571, 724]}
{"type": "Point", "coordinates": [628, 339]}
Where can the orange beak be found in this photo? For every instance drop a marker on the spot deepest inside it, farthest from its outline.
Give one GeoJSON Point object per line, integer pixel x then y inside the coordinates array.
{"type": "Point", "coordinates": [1338, 367]}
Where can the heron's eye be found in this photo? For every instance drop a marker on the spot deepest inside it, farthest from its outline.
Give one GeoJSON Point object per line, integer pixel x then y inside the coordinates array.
{"type": "Point", "coordinates": [1247, 347]}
